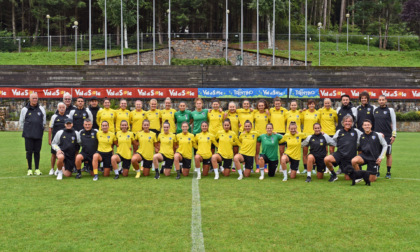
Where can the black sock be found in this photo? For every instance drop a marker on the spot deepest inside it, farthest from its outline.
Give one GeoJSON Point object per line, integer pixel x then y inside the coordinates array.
{"type": "Point", "coordinates": [388, 169]}
{"type": "Point", "coordinates": [79, 171]}
{"type": "Point", "coordinates": [305, 166]}
{"type": "Point", "coordinates": [333, 173]}
{"type": "Point", "coordinates": [178, 172]}
{"type": "Point", "coordinates": [157, 171]}
{"type": "Point", "coordinates": [36, 159]}
{"type": "Point", "coordinates": [29, 159]}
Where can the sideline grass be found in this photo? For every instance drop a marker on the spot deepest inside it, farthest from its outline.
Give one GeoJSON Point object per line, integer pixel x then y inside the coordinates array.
{"type": "Point", "coordinates": [40, 213]}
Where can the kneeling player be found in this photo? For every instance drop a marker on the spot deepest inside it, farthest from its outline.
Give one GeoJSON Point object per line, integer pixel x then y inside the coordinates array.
{"type": "Point", "coordinates": [248, 140]}
{"type": "Point", "coordinates": [293, 140]}
{"type": "Point", "coordinates": [227, 139]}
{"type": "Point", "coordinates": [64, 143]}
{"type": "Point", "coordinates": [89, 144]}
{"type": "Point", "coordinates": [184, 154]}
{"type": "Point", "coordinates": [270, 152]}
{"type": "Point", "coordinates": [167, 142]}
{"type": "Point", "coordinates": [106, 141]}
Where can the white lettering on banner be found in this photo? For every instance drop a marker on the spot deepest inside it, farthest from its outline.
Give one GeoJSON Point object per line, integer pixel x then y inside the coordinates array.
{"type": "Point", "coordinates": [415, 93]}
{"type": "Point", "coordinates": [150, 93]}
{"type": "Point", "coordinates": [354, 93]}
{"type": "Point", "coordinates": [20, 93]}
{"type": "Point", "coordinates": [326, 93]}
{"type": "Point", "coordinates": [48, 92]}
{"type": "Point", "coordinates": [393, 94]}
{"type": "Point", "coordinates": [214, 93]}
{"type": "Point", "coordinates": [3, 92]}
{"type": "Point", "coordinates": [87, 93]}
{"type": "Point", "coordinates": [272, 92]}
{"type": "Point", "coordinates": [303, 92]}
{"type": "Point", "coordinates": [241, 92]}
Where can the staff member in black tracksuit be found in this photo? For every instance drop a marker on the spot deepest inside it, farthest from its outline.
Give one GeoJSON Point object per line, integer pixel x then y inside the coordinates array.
{"type": "Point", "coordinates": [64, 144]}
{"type": "Point", "coordinates": [318, 146]}
{"type": "Point", "coordinates": [346, 140]}
{"type": "Point", "coordinates": [79, 114]}
{"type": "Point", "coordinates": [67, 99]}
{"type": "Point", "coordinates": [56, 124]}
{"type": "Point", "coordinates": [345, 109]}
{"type": "Point", "coordinates": [365, 111]}
{"type": "Point", "coordinates": [386, 123]}
{"type": "Point", "coordinates": [373, 147]}
{"type": "Point", "coordinates": [89, 144]}
{"type": "Point", "coordinates": [32, 121]}
{"type": "Point", "coordinates": [94, 108]}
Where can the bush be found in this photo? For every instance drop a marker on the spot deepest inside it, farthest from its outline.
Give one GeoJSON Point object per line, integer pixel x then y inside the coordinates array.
{"type": "Point", "coordinates": [49, 115]}
{"type": "Point", "coordinates": [198, 62]}
{"type": "Point", "coordinates": [6, 42]}
{"type": "Point", "coordinates": [408, 117]}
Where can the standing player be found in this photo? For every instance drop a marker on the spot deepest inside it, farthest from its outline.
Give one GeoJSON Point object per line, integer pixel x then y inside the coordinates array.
{"type": "Point", "coordinates": [233, 116]}
{"type": "Point", "coordinates": [309, 117]}
{"type": "Point", "coordinates": [318, 146]}
{"type": "Point", "coordinates": [386, 123]}
{"type": "Point", "coordinates": [373, 147]}
{"type": "Point", "coordinates": [181, 116]}
{"type": "Point", "coordinates": [56, 124]}
{"type": "Point", "coordinates": [199, 115]}
{"type": "Point", "coordinates": [64, 144]}
{"type": "Point", "coordinates": [203, 141]}
{"type": "Point", "coordinates": [89, 142]}
{"type": "Point", "coordinates": [137, 117]}
{"type": "Point", "coordinates": [278, 119]}
{"type": "Point", "coordinates": [106, 141]}
{"type": "Point", "coordinates": [347, 140]}
{"type": "Point", "coordinates": [146, 142]}
{"type": "Point", "coordinates": [184, 154]}
{"type": "Point", "coordinates": [346, 109]}
{"type": "Point", "coordinates": [168, 114]}
{"type": "Point", "coordinates": [245, 114]}
{"type": "Point", "coordinates": [124, 141]}
{"type": "Point", "coordinates": [365, 110]}
{"type": "Point", "coordinates": [261, 118]}
{"type": "Point", "coordinates": [94, 108]}
{"type": "Point", "coordinates": [269, 152]}
{"type": "Point", "coordinates": [122, 114]}
{"type": "Point", "coordinates": [293, 140]}
{"type": "Point", "coordinates": [106, 114]}
{"type": "Point", "coordinates": [328, 120]}
{"type": "Point", "coordinates": [167, 142]}
{"type": "Point", "coordinates": [154, 116]}
{"type": "Point", "coordinates": [294, 115]}
{"type": "Point", "coordinates": [248, 139]}
{"type": "Point", "coordinates": [32, 121]}
{"type": "Point", "coordinates": [215, 117]}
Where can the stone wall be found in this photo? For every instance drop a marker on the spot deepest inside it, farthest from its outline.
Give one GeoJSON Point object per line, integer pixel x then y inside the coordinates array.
{"type": "Point", "coordinates": [250, 59]}
{"type": "Point", "coordinates": [146, 58]}
{"type": "Point", "coordinates": [198, 49]}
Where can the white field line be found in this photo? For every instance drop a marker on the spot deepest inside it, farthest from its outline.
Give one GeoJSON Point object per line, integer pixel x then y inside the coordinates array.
{"type": "Point", "coordinates": [196, 231]}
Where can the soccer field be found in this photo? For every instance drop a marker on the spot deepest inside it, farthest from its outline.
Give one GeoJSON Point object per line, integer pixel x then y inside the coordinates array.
{"type": "Point", "coordinates": [39, 213]}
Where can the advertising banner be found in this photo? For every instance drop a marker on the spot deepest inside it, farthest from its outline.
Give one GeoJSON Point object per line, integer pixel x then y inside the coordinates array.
{"type": "Point", "coordinates": [242, 92]}
{"type": "Point", "coordinates": [303, 93]}
{"type": "Point", "coordinates": [400, 94]}
{"type": "Point", "coordinates": [11, 92]}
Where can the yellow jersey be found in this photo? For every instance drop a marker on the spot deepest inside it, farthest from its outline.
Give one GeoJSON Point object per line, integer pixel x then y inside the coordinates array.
{"type": "Point", "coordinates": [169, 115]}
{"type": "Point", "coordinates": [234, 121]}
{"type": "Point", "coordinates": [203, 143]}
{"type": "Point", "coordinates": [125, 141]}
{"type": "Point", "coordinates": [261, 121]}
{"type": "Point", "coordinates": [294, 145]}
{"type": "Point", "coordinates": [154, 118]}
{"type": "Point", "coordinates": [328, 120]}
{"type": "Point", "coordinates": [136, 121]}
{"type": "Point", "coordinates": [215, 118]}
{"type": "Point", "coordinates": [146, 144]}
{"type": "Point", "coordinates": [185, 144]}
{"type": "Point", "coordinates": [244, 115]}
{"type": "Point", "coordinates": [248, 143]}
{"type": "Point", "coordinates": [294, 116]}
{"type": "Point", "coordinates": [278, 119]}
{"type": "Point", "coordinates": [105, 141]}
{"type": "Point", "coordinates": [120, 116]}
{"type": "Point", "coordinates": [309, 119]}
{"type": "Point", "coordinates": [108, 115]}
{"type": "Point", "coordinates": [226, 142]}
{"type": "Point", "coordinates": [167, 144]}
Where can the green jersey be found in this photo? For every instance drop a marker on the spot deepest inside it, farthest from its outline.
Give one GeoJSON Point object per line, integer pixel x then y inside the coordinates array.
{"type": "Point", "coordinates": [270, 145]}
{"type": "Point", "coordinates": [198, 118]}
{"type": "Point", "coordinates": [180, 117]}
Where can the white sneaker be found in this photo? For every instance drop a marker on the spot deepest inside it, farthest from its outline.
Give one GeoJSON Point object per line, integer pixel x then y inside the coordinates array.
{"type": "Point", "coordinates": [285, 179]}
{"type": "Point", "coordinates": [60, 176]}
{"type": "Point", "coordinates": [216, 177]}
{"type": "Point", "coordinates": [304, 171]}
{"type": "Point", "coordinates": [358, 180]}
{"type": "Point", "coordinates": [313, 172]}
{"type": "Point", "coordinates": [222, 169]}
{"type": "Point", "coordinates": [199, 176]}
{"type": "Point", "coordinates": [56, 172]}
{"type": "Point", "coordinates": [297, 172]}
{"type": "Point", "coordinates": [240, 177]}
{"type": "Point", "coordinates": [51, 171]}
{"type": "Point", "coordinates": [261, 177]}
{"type": "Point", "coordinates": [290, 171]}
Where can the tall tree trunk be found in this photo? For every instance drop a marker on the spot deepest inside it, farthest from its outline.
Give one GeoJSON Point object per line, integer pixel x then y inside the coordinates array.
{"type": "Point", "coordinates": [118, 35]}
{"type": "Point", "coordinates": [352, 15]}
{"type": "Point", "coordinates": [160, 22]}
{"type": "Point", "coordinates": [125, 36]}
{"type": "Point", "coordinates": [329, 15]}
{"type": "Point", "coordinates": [224, 24]}
{"type": "Point", "coordinates": [36, 31]}
{"type": "Point", "coordinates": [269, 37]}
{"type": "Point", "coordinates": [13, 22]}
{"type": "Point", "coordinates": [23, 15]}
{"type": "Point", "coordinates": [254, 25]}
{"type": "Point", "coordinates": [387, 18]}
{"type": "Point", "coordinates": [315, 11]}
{"type": "Point", "coordinates": [342, 15]}
{"type": "Point", "coordinates": [325, 12]}
{"type": "Point", "coordinates": [380, 32]}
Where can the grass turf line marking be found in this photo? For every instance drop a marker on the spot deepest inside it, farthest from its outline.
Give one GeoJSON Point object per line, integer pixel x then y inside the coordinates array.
{"type": "Point", "coordinates": [196, 232]}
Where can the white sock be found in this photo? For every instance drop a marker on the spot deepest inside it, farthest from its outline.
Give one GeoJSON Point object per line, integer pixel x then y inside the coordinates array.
{"type": "Point", "coordinates": [216, 172]}
{"type": "Point", "coordinates": [116, 172]}
{"type": "Point", "coordinates": [198, 170]}
{"type": "Point", "coordinates": [233, 165]}
{"type": "Point", "coordinates": [240, 172]}
{"type": "Point", "coordinates": [262, 172]}
{"type": "Point", "coordinates": [119, 165]}
{"type": "Point", "coordinates": [141, 163]}
{"type": "Point", "coordinates": [308, 173]}
{"type": "Point", "coordinates": [102, 164]}
{"type": "Point", "coordinates": [137, 170]}
{"type": "Point", "coordinates": [153, 166]}
{"type": "Point", "coordinates": [285, 173]}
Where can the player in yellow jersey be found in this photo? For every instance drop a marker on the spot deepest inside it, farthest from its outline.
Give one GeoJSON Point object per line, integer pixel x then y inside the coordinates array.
{"type": "Point", "coordinates": [106, 141]}
{"type": "Point", "coordinates": [203, 142]}
{"type": "Point", "coordinates": [245, 113]}
{"type": "Point", "coordinates": [168, 114]}
{"type": "Point", "coordinates": [278, 119]}
{"type": "Point", "coordinates": [293, 152]}
{"type": "Point", "coordinates": [227, 139]}
{"type": "Point", "coordinates": [106, 114]}
{"type": "Point", "coordinates": [248, 139]}
{"type": "Point", "coordinates": [154, 116]}
{"type": "Point", "coordinates": [167, 142]}
{"type": "Point", "coordinates": [125, 139]}
{"type": "Point", "coordinates": [309, 118]}
{"type": "Point", "coordinates": [185, 142]}
{"type": "Point", "coordinates": [215, 118]}
{"type": "Point", "coordinates": [122, 114]}
{"type": "Point", "coordinates": [294, 115]}
{"type": "Point", "coordinates": [261, 118]}
{"type": "Point", "coordinates": [234, 122]}
{"type": "Point", "coordinates": [136, 119]}
{"type": "Point", "coordinates": [328, 120]}
{"type": "Point", "coordinates": [146, 142]}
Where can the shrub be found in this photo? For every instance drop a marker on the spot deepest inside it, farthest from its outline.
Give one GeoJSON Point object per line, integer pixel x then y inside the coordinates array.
{"type": "Point", "coordinates": [408, 117]}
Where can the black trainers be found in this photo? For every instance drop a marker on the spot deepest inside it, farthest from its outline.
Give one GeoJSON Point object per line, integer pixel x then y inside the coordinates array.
{"type": "Point", "coordinates": [178, 176]}
{"type": "Point", "coordinates": [388, 175]}
{"type": "Point", "coordinates": [308, 179]}
{"type": "Point", "coordinates": [117, 176]}
{"type": "Point", "coordinates": [378, 174]}
{"type": "Point", "coordinates": [95, 178]}
{"type": "Point", "coordinates": [333, 178]}
{"type": "Point", "coordinates": [157, 176]}
{"type": "Point", "coordinates": [78, 176]}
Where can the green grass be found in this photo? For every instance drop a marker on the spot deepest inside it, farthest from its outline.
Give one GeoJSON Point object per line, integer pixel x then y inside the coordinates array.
{"type": "Point", "coordinates": [43, 214]}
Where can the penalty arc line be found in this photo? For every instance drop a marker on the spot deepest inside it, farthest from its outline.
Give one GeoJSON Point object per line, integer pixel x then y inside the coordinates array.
{"type": "Point", "coordinates": [196, 231]}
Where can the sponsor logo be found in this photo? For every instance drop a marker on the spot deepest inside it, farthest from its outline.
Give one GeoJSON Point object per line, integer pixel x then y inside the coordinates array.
{"type": "Point", "coordinates": [241, 92]}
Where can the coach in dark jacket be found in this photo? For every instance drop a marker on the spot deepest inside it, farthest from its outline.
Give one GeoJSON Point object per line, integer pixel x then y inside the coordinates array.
{"type": "Point", "coordinates": [32, 121]}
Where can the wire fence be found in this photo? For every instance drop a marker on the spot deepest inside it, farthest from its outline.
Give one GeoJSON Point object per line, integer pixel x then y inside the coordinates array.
{"type": "Point", "coordinates": [328, 42]}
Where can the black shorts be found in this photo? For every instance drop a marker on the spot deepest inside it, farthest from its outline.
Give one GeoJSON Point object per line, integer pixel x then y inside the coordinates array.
{"type": "Point", "coordinates": [156, 131]}
{"type": "Point", "coordinates": [168, 162]}
{"type": "Point", "coordinates": [69, 162]}
{"type": "Point", "coordinates": [125, 162]}
{"type": "Point", "coordinates": [294, 164]}
{"type": "Point", "coordinates": [227, 163]}
{"type": "Point", "coordinates": [186, 163]}
{"type": "Point", "coordinates": [319, 162]}
{"type": "Point", "coordinates": [106, 158]}
{"type": "Point", "coordinates": [388, 141]}
{"type": "Point", "coordinates": [372, 167]}
{"type": "Point", "coordinates": [207, 161]}
{"type": "Point", "coordinates": [86, 157]}
{"type": "Point", "coordinates": [249, 161]}
{"type": "Point", "coordinates": [33, 145]}
{"type": "Point", "coordinates": [271, 164]}
{"type": "Point", "coordinates": [146, 163]}
{"type": "Point", "coordinates": [53, 151]}
{"type": "Point", "coordinates": [341, 161]}
{"type": "Point", "coordinates": [213, 146]}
